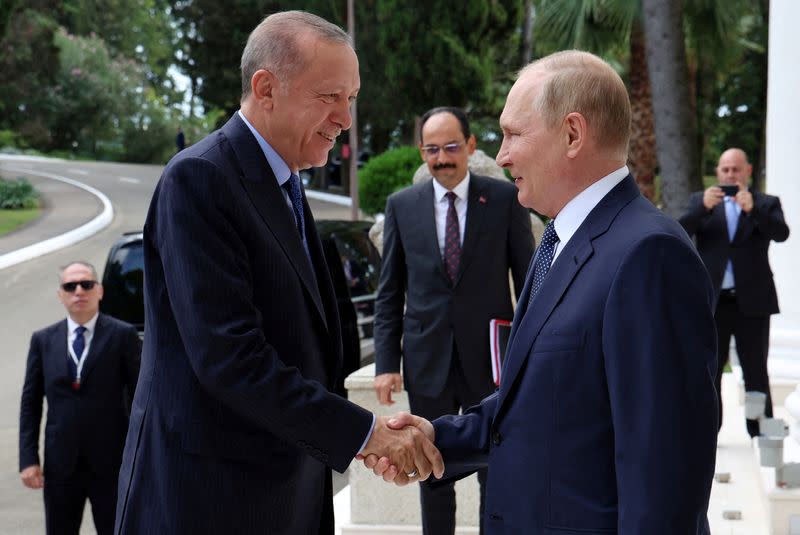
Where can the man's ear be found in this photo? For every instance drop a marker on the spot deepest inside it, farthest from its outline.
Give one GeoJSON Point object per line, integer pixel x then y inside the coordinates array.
{"type": "Point", "coordinates": [264, 85]}
{"type": "Point", "coordinates": [576, 132]}
{"type": "Point", "coordinates": [471, 144]}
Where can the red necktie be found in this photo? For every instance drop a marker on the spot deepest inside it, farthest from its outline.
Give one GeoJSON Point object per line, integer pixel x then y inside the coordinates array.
{"type": "Point", "coordinates": [452, 239]}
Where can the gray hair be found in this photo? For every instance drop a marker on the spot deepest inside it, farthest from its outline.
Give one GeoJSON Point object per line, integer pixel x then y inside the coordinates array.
{"type": "Point", "coordinates": [83, 263]}
{"type": "Point", "coordinates": [274, 44]}
{"type": "Point", "coordinates": [584, 83]}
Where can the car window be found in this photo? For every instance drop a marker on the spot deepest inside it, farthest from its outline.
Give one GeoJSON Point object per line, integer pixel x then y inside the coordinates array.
{"type": "Point", "coordinates": [360, 261]}
{"type": "Point", "coordinates": [123, 282]}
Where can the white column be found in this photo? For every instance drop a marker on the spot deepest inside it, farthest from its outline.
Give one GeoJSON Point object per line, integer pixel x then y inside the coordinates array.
{"type": "Point", "coordinates": [783, 180]}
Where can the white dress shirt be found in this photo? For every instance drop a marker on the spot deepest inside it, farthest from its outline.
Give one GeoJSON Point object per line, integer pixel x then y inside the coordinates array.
{"type": "Point", "coordinates": [574, 213]}
{"type": "Point", "coordinates": [88, 335]}
{"type": "Point", "coordinates": [441, 205]}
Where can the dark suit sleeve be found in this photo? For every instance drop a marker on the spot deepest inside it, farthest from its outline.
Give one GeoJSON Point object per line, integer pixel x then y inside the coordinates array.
{"type": "Point", "coordinates": [463, 439]}
{"type": "Point", "coordinates": [695, 212]}
{"type": "Point", "coordinates": [210, 289]}
{"type": "Point", "coordinates": [30, 407]}
{"type": "Point", "coordinates": [520, 244]}
{"type": "Point", "coordinates": [767, 216]}
{"type": "Point", "coordinates": [388, 326]}
{"type": "Point", "coordinates": [131, 359]}
{"type": "Point", "coordinates": [659, 344]}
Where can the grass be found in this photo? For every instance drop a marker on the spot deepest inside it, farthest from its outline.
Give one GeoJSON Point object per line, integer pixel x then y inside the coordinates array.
{"type": "Point", "coordinates": [11, 219]}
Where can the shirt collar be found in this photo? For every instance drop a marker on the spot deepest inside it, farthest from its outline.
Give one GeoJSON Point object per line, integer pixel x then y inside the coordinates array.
{"type": "Point", "coordinates": [89, 325]}
{"type": "Point", "coordinates": [570, 218]}
{"type": "Point", "coordinates": [279, 167]}
{"type": "Point", "coordinates": [461, 190]}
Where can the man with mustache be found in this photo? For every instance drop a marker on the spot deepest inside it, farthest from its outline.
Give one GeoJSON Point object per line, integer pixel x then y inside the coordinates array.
{"type": "Point", "coordinates": [449, 244]}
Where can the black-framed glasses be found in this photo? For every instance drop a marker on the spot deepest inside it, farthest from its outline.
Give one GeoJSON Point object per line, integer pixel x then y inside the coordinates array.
{"type": "Point", "coordinates": [72, 286]}
{"type": "Point", "coordinates": [433, 150]}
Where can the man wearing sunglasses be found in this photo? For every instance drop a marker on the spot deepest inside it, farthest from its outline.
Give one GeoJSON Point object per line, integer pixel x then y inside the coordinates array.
{"type": "Point", "coordinates": [87, 366]}
{"type": "Point", "coordinates": [449, 244]}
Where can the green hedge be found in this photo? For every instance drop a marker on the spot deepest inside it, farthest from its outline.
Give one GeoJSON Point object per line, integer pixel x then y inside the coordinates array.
{"type": "Point", "coordinates": [18, 193]}
{"type": "Point", "coordinates": [384, 174]}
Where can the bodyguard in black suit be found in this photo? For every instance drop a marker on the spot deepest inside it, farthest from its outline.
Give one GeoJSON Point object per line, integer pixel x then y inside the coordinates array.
{"type": "Point", "coordinates": [448, 246]}
{"type": "Point", "coordinates": [87, 366]}
{"type": "Point", "coordinates": [234, 428]}
{"type": "Point", "coordinates": [733, 233]}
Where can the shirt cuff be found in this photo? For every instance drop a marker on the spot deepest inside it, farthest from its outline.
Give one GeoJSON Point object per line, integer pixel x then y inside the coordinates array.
{"type": "Point", "coordinates": [369, 435]}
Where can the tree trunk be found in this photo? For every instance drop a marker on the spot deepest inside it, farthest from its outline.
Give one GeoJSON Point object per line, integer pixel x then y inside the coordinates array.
{"type": "Point", "coordinates": [760, 169]}
{"type": "Point", "coordinates": [526, 49]}
{"type": "Point", "coordinates": [642, 159]}
{"type": "Point", "coordinates": [675, 133]}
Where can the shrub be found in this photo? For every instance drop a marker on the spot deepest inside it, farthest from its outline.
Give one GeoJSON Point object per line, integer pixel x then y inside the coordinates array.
{"type": "Point", "coordinates": [384, 174]}
{"type": "Point", "coordinates": [18, 193]}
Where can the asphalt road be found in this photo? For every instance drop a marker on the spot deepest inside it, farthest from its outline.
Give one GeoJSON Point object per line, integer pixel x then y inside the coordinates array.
{"type": "Point", "coordinates": [28, 295]}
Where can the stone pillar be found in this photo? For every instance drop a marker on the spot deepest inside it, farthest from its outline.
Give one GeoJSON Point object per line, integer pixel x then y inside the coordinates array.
{"type": "Point", "coordinates": [378, 507]}
{"type": "Point", "coordinates": [783, 180]}
{"type": "Point", "coordinates": [783, 140]}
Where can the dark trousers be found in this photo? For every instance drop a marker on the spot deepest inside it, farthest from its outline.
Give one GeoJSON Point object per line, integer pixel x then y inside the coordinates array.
{"type": "Point", "coordinates": [752, 345]}
{"type": "Point", "coordinates": [64, 501]}
{"type": "Point", "coordinates": [439, 504]}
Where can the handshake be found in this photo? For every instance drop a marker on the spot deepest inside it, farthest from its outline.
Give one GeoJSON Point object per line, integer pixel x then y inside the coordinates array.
{"type": "Point", "coordinates": [401, 449]}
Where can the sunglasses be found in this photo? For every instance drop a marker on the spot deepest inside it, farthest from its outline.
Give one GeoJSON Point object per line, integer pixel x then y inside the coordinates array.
{"type": "Point", "coordinates": [433, 150]}
{"type": "Point", "coordinates": [72, 286]}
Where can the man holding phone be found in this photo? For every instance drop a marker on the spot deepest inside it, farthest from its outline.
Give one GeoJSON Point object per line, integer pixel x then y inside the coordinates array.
{"type": "Point", "coordinates": [733, 228]}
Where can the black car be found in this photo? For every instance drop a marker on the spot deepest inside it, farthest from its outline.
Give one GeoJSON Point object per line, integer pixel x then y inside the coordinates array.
{"type": "Point", "coordinates": [354, 264]}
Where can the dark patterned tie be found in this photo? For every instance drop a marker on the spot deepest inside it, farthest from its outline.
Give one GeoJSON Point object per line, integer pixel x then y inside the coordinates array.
{"type": "Point", "coordinates": [78, 345]}
{"type": "Point", "coordinates": [452, 239]}
{"type": "Point", "coordinates": [293, 187]}
{"type": "Point", "coordinates": [543, 259]}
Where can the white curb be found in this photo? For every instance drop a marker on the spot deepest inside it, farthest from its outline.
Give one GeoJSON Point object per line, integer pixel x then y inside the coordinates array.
{"type": "Point", "coordinates": [68, 238]}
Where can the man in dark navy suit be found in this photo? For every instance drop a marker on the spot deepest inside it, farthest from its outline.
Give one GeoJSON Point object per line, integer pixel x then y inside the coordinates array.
{"type": "Point", "coordinates": [733, 230]}
{"type": "Point", "coordinates": [86, 366]}
{"type": "Point", "coordinates": [234, 428]}
{"type": "Point", "coordinates": [605, 420]}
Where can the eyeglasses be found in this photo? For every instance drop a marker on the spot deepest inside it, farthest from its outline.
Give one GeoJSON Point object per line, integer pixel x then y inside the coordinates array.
{"type": "Point", "coordinates": [432, 151]}
{"type": "Point", "coordinates": [72, 286]}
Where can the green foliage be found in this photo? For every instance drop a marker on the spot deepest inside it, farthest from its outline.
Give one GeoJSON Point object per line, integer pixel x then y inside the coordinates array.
{"type": "Point", "coordinates": [28, 64]}
{"type": "Point", "coordinates": [440, 53]}
{"type": "Point", "coordinates": [93, 95]}
{"type": "Point", "coordinates": [384, 174]}
{"type": "Point", "coordinates": [17, 193]}
{"type": "Point", "coordinates": [9, 138]}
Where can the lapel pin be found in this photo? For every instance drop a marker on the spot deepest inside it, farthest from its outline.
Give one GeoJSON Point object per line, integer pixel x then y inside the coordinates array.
{"type": "Point", "coordinates": [482, 199]}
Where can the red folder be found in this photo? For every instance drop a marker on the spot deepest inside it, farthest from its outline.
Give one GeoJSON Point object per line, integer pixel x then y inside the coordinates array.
{"type": "Point", "coordinates": [499, 330]}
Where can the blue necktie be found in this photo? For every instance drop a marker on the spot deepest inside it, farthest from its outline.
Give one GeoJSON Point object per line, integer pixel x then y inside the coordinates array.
{"type": "Point", "coordinates": [731, 217]}
{"type": "Point", "coordinates": [544, 258]}
{"type": "Point", "coordinates": [733, 221]}
{"type": "Point", "coordinates": [78, 345]}
{"type": "Point", "coordinates": [295, 190]}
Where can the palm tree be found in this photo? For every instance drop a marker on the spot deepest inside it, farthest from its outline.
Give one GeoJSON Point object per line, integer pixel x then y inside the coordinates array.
{"type": "Point", "coordinates": [614, 29]}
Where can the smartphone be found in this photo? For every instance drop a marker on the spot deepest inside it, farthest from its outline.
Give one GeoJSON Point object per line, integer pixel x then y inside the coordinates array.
{"type": "Point", "coordinates": [729, 191]}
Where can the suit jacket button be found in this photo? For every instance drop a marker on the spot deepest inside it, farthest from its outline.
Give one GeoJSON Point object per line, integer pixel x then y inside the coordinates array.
{"type": "Point", "coordinates": [495, 517]}
{"type": "Point", "coordinates": [496, 438]}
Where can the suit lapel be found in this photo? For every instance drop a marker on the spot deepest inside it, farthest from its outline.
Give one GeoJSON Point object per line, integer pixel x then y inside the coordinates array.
{"type": "Point", "coordinates": [428, 220]}
{"type": "Point", "coordinates": [265, 194]}
{"type": "Point", "coordinates": [60, 351]}
{"type": "Point", "coordinates": [528, 321]}
{"type": "Point", "coordinates": [99, 340]}
{"type": "Point", "coordinates": [476, 211]}
{"type": "Point", "coordinates": [744, 225]}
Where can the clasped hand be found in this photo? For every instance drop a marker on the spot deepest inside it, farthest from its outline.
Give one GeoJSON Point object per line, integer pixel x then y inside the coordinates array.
{"type": "Point", "coordinates": [401, 449]}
